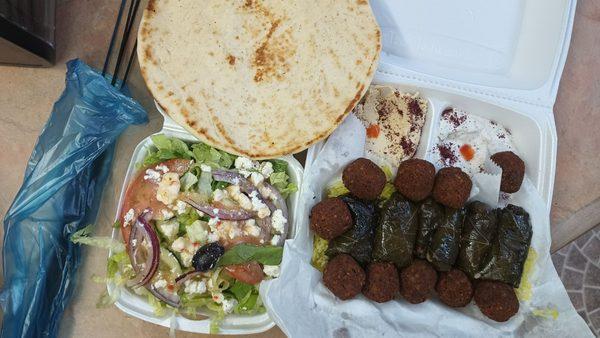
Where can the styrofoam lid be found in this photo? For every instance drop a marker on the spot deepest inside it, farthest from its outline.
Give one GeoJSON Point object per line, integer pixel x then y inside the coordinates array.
{"type": "Point", "coordinates": [510, 49]}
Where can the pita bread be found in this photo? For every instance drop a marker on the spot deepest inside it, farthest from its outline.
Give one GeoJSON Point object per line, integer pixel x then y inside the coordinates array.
{"type": "Point", "coordinates": [259, 78]}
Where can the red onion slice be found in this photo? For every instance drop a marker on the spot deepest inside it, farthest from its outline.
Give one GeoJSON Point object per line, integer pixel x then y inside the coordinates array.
{"type": "Point", "coordinates": [235, 179]}
{"type": "Point", "coordinates": [224, 214]}
{"type": "Point", "coordinates": [187, 276]}
{"type": "Point", "coordinates": [164, 295]}
{"type": "Point", "coordinates": [141, 233]}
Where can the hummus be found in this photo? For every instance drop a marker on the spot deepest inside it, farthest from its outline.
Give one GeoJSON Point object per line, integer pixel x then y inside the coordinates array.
{"type": "Point", "coordinates": [394, 122]}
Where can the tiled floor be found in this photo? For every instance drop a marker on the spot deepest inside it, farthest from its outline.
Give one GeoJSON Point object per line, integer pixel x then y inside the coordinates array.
{"type": "Point", "coordinates": [578, 265]}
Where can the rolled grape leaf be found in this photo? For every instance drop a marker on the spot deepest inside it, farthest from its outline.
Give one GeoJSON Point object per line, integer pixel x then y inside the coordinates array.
{"type": "Point", "coordinates": [396, 231]}
{"type": "Point", "coordinates": [431, 215]}
{"type": "Point", "coordinates": [510, 248]}
{"type": "Point", "coordinates": [479, 230]}
{"type": "Point", "coordinates": [358, 240]}
{"type": "Point", "coordinates": [444, 247]}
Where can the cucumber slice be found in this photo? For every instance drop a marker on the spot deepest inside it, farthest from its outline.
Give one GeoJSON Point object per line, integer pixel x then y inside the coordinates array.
{"type": "Point", "coordinates": [170, 261]}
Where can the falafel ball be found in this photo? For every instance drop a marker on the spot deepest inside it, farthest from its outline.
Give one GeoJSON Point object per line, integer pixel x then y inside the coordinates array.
{"type": "Point", "coordinates": [364, 179]}
{"type": "Point", "coordinates": [452, 187]}
{"type": "Point", "coordinates": [383, 282]}
{"type": "Point", "coordinates": [417, 281]}
{"type": "Point", "coordinates": [513, 170]}
{"type": "Point", "coordinates": [496, 300]}
{"type": "Point", "coordinates": [344, 277]}
{"type": "Point", "coordinates": [414, 179]}
{"type": "Point", "coordinates": [330, 218]}
{"type": "Point", "coordinates": [454, 288]}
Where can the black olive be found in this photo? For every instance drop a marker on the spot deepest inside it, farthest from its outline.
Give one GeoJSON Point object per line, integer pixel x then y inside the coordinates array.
{"type": "Point", "coordinates": [207, 256]}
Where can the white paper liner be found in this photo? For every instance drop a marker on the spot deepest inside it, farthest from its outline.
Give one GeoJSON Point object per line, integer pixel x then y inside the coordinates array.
{"type": "Point", "coordinates": [487, 183]}
{"type": "Point", "coordinates": [302, 307]}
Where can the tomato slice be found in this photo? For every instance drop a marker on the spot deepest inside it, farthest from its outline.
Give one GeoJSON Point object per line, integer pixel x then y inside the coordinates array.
{"type": "Point", "coordinates": [141, 194]}
{"type": "Point", "coordinates": [249, 273]}
{"type": "Point", "coordinates": [228, 243]}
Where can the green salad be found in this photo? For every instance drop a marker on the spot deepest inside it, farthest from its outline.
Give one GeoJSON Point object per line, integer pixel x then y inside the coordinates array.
{"type": "Point", "coordinates": [201, 229]}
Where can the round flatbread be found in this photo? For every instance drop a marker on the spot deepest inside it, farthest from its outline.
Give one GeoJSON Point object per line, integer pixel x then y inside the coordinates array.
{"type": "Point", "coordinates": [258, 78]}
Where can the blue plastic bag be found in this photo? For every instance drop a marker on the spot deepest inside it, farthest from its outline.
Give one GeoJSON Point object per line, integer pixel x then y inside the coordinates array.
{"type": "Point", "coordinates": [60, 194]}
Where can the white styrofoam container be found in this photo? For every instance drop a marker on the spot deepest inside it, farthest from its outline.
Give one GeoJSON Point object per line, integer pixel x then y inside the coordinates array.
{"type": "Point", "coordinates": [138, 306]}
{"type": "Point", "coordinates": [499, 60]}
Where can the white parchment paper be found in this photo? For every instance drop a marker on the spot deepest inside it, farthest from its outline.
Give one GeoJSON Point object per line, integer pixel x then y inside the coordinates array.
{"type": "Point", "coordinates": [302, 306]}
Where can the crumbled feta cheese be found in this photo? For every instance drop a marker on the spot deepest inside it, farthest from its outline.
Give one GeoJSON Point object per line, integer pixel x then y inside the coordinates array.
{"type": "Point", "coordinates": [271, 270]}
{"type": "Point", "coordinates": [242, 162]}
{"type": "Point", "coordinates": [278, 221]}
{"type": "Point", "coordinates": [128, 217]}
{"type": "Point", "coordinates": [161, 283]}
{"type": "Point", "coordinates": [256, 178]}
{"type": "Point", "coordinates": [186, 258]}
{"type": "Point", "coordinates": [166, 214]}
{"type": "Point", "coordinates": [218, 297]}
{"type": "Point", "coordinates": [197, 231]}
{"type": "Point", "coordinates": [239, 197]}
{"type": "Point", "coordinates": [215, 211]}
{"type": "Point", "coordinates": [266, 169]}
{"type": "Point", "coordinates": [179, 244]}
{"type": "Point", "coordinates": [275, 239]}
{"type": "Point", "coordinates": [261, 208]}
{"type": "Point", "coordinates": [162, 168]}
{"type": "Point", "coordinates": [229, 305]}
{"type": "Point", "coordinates": [251, 229]}
{"type": "Point", "coordinates": [205, 168]}
{"type": "Point", "coordinates": [266, 192]}
{"type": "Point", "coordinates": [134, 242]}
{"type": "Point", "coordinates": [192, 286]}
{"type": "Point", "coordinates": [219, 195]}
{"type": "Point", "coordinates": [152, 175]}
{"type": "Point", "coordinates": [169, 229]}
{"type": "Point", "coordinates": [180, 207]}
{"type": "Point", "coordinates": [168, 188]}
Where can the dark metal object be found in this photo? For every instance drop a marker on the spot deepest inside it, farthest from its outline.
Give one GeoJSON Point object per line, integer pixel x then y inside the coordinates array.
{"type": "Point", "coordinates": [27, 32]}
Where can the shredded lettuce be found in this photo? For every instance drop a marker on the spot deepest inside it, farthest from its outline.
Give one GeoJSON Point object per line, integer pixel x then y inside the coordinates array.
{"type": "Point", "coordinates": [166, 148]}
{"type": "Point", "coordinates": [208, 155]}
{"type": "Point", "coordinates": [387, 192]}
{"type": "Point", "coordinates": [117, 224]}
{"type": "Point", "coordinates": [279, 166]}
{"type": "Point", "coordinates": [82, 236]}
{"type": "Point", "coordinates": [388, 172]}
{"type": "Point", "coordinates": [336, 189]}
{"type": "Point", "coordinates": [188, 180]}
{"type": "Point", "coordinates": [205, 185]}
{"type": "Point", "coordinates": [319, 258]}
{"type": "Point", "coordinates": [186, 219]}
{"type": "Point", "coordinates": [280, 180]}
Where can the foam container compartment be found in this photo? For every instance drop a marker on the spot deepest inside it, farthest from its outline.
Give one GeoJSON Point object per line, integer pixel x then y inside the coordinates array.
{"type": "Point", "coordinates": [138, 306]}
{"type": "Point", "coordinates": [498, 60]}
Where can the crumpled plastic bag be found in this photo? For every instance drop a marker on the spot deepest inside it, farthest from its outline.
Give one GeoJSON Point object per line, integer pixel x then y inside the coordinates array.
{"type": "Point", "coordinates": [60, 194]}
